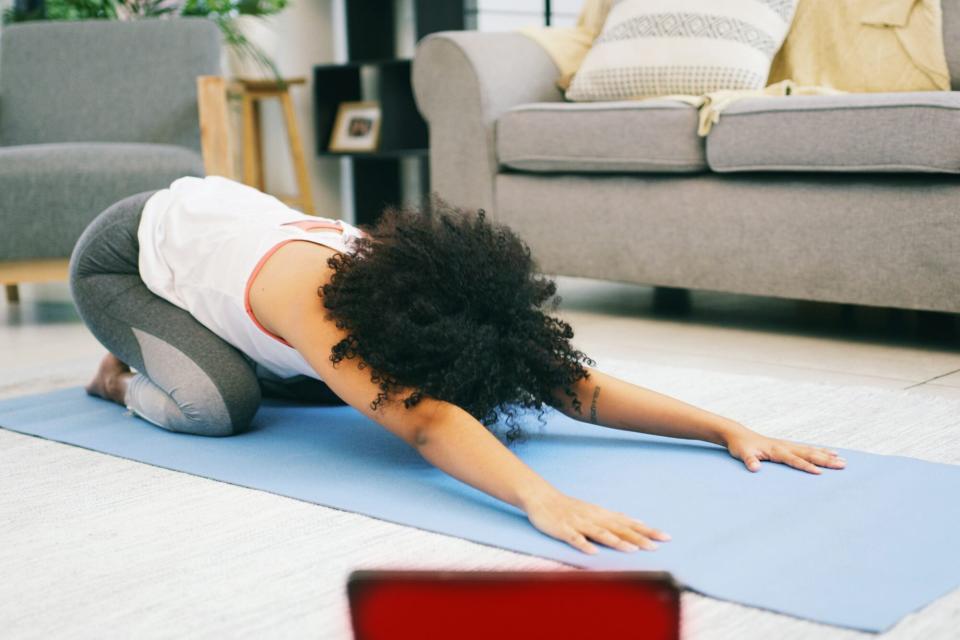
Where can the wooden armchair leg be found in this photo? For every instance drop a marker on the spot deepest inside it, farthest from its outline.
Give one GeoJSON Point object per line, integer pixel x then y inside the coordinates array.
{"type": "Point", "coordinates": [13, 293]}
{"type": "Point", "coordinates": [215, 140]}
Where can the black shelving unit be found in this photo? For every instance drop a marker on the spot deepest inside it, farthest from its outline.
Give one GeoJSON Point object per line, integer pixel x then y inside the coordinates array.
{"type": "Point", "coordinates": [371, 46]}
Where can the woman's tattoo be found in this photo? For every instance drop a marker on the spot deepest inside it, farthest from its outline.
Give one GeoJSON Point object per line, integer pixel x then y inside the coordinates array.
{"type": "Point", "coordinates": [593, 404]}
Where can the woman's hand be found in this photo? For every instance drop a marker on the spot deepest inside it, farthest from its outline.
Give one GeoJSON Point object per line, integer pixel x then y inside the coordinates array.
{"type": "Point", "coordinates": [577, 522]}
{"type": "Point", "coordinates": [751, 447]}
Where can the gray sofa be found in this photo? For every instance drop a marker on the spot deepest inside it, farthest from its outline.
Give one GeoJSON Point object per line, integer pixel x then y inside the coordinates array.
{"type": "Point", "coordinates": [852, 198]}
{"type": "Point", "coordinates": [91, 112]}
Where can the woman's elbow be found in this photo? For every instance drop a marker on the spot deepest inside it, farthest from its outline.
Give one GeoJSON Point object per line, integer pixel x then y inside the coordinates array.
{"type": "Point", "coordinates": [418, 423]}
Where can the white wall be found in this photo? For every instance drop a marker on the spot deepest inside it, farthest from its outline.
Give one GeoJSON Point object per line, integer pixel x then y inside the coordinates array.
{"type": "Point", "coordinates": [508, 15]}
{"type": "Point", "coordinates": [304, 36]}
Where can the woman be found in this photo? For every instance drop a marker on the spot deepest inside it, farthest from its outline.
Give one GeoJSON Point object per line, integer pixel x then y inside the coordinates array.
{"type": "Point", "coordinates": [434, 324]}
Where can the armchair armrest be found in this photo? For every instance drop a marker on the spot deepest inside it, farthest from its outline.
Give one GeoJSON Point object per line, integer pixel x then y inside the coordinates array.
{"type": "Point", "coordinates": [463, 81]}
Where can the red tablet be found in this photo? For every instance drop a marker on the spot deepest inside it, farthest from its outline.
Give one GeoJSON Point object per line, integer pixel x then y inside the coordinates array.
{"type": "Point", "coordinates": [430, 605]}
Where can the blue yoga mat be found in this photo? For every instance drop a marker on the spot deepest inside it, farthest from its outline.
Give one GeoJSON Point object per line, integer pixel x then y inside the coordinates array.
{"type": "Point", "coordinates": [858, 548]}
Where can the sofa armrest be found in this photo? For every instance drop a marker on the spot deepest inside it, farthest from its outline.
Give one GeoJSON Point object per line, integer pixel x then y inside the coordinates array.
{"type": "Point", "coordinates": [463, 81]}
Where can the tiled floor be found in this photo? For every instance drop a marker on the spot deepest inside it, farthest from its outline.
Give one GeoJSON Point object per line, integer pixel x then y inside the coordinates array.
{"type": "Point", "coordinates": [766, 336]}
{"type": "Point", "coordinates": [43, 342]}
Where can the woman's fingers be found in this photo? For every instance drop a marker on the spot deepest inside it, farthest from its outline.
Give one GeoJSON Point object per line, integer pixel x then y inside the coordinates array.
{"type": "Point", "coordinates": [638, 535]}
{"type": "Point", "coordinates": [577, 523]}
{"type": "Point", "coordinates": [621, 533]}
{"type": "Point", "coordinates": [609, 538]}
{"type": "Point", "coordinates": [642, 540]}
{"type": "Point", "coordinates": [824, 458]}
{"type": "Point", "coordinates": [797, 462]}
{"type": "Point", "coordinates": [834, 459]}
{"type": "Point", "coordinates": [798, 456]}
{"type": "Point", "coordinates": [820, 457]}
{"type": "Point", "coordinates": [579, 541]}
{"type": "Point", "coordinates": [648, 532]}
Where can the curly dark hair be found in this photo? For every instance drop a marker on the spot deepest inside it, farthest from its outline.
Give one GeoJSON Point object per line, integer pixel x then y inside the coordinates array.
{"type": "Point", "coordinates": [450, 305]}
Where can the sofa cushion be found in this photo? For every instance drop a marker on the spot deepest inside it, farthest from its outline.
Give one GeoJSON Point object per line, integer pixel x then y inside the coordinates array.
{"type": "Point", "coordinates": [869, 132]}
{"type": "Point", "coordinates": [669, 47]}
{"type": "Point", "coordinates": [646, 136]}
{"type": "Point", "coordinates": [50, 192]}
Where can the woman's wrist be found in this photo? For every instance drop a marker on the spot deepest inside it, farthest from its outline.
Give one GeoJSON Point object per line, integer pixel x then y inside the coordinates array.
{"type": "Point", "coordinates": [531, 495]}
{"type": "Point", "coordinates": [725, 430]}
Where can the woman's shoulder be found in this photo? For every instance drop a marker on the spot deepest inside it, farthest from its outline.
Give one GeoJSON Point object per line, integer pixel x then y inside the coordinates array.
{"type": "Point", "coordinates": [287, 282]}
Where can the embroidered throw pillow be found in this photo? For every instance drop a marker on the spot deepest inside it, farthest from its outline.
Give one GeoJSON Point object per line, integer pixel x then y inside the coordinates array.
{"type": "Point", "coordinates": [688, 47]}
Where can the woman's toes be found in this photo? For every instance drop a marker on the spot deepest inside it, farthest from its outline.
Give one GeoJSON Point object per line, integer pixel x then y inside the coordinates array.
{"type": "Point", "coordinates": [105, 383]}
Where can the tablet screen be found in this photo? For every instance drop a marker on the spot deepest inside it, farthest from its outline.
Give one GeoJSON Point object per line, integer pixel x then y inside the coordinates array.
{"type": "Point", "coordinates": [500, 604]}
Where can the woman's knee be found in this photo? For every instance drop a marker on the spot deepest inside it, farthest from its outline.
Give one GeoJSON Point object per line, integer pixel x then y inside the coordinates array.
{"type": "Point", "coordinates": [225, 411]}
{"type": "Point", "coordinates": [214, 415]}
{"type": "Point", "coordinates": [205, 387]}
{"type": "Point", "coordinates": [213, 426]}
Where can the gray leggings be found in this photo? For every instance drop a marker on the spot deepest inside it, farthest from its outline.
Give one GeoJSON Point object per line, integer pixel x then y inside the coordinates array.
{"type": "Point", "coordinates": [187, 378]}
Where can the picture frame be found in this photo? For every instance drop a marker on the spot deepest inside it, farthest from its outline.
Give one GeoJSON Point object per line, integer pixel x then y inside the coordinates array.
{"type": "Point", "coordinates": [356, 128]}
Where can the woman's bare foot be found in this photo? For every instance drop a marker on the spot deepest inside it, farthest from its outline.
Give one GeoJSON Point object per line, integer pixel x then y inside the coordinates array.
{"type": "Point", "coordinates": [110, 382]}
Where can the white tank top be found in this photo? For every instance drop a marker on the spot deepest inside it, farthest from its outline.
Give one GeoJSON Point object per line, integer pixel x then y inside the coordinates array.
{"type": "Point", "coordinates": [202, 242]}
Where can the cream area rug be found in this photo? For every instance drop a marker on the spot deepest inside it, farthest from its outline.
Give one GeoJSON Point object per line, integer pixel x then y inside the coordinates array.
{"type": "Point", "coordinates": [93, 546]}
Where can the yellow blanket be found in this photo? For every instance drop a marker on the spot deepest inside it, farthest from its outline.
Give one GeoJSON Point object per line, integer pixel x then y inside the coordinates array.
{"type": "Point", "coordinates": [569, 45]}
{"type": "Point", "coordinates": [711, 105]}
{"type": "Point", "coordinates": [833, 46]}
{"type": "Point", "coordinates": [865, 46]}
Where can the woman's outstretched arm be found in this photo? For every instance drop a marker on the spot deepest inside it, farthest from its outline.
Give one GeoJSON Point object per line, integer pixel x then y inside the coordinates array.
{"type": "Point", "coordinates": [611, 402]}
{"type": "Point", "coordinates": [455, 442]}
{"type": "Point", "coordinates": [444, 434]}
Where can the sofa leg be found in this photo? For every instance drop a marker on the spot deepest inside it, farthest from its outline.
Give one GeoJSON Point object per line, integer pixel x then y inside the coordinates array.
{"type": "Point", "coordinates": [936, 326]}
{"type": "Point", "coordinates": [671, 300]}
{"type": "Point", "coordinates": [13, 293]}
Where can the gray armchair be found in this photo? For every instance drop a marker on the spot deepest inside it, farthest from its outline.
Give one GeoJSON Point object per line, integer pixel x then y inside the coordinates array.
{"type": "Point", "coordinates": [91, 112]}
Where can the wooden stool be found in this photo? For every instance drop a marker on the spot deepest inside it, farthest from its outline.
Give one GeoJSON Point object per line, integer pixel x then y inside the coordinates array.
{"type": "Point", "coordinates": [251, 92]}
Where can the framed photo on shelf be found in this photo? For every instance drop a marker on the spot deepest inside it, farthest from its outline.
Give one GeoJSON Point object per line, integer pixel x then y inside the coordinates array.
{"type": "Point", "coordinates": [356, 128]}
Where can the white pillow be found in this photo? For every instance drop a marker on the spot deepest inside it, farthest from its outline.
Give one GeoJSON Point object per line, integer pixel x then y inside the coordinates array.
{"type": "Point", "coordinates": [689, 47]}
